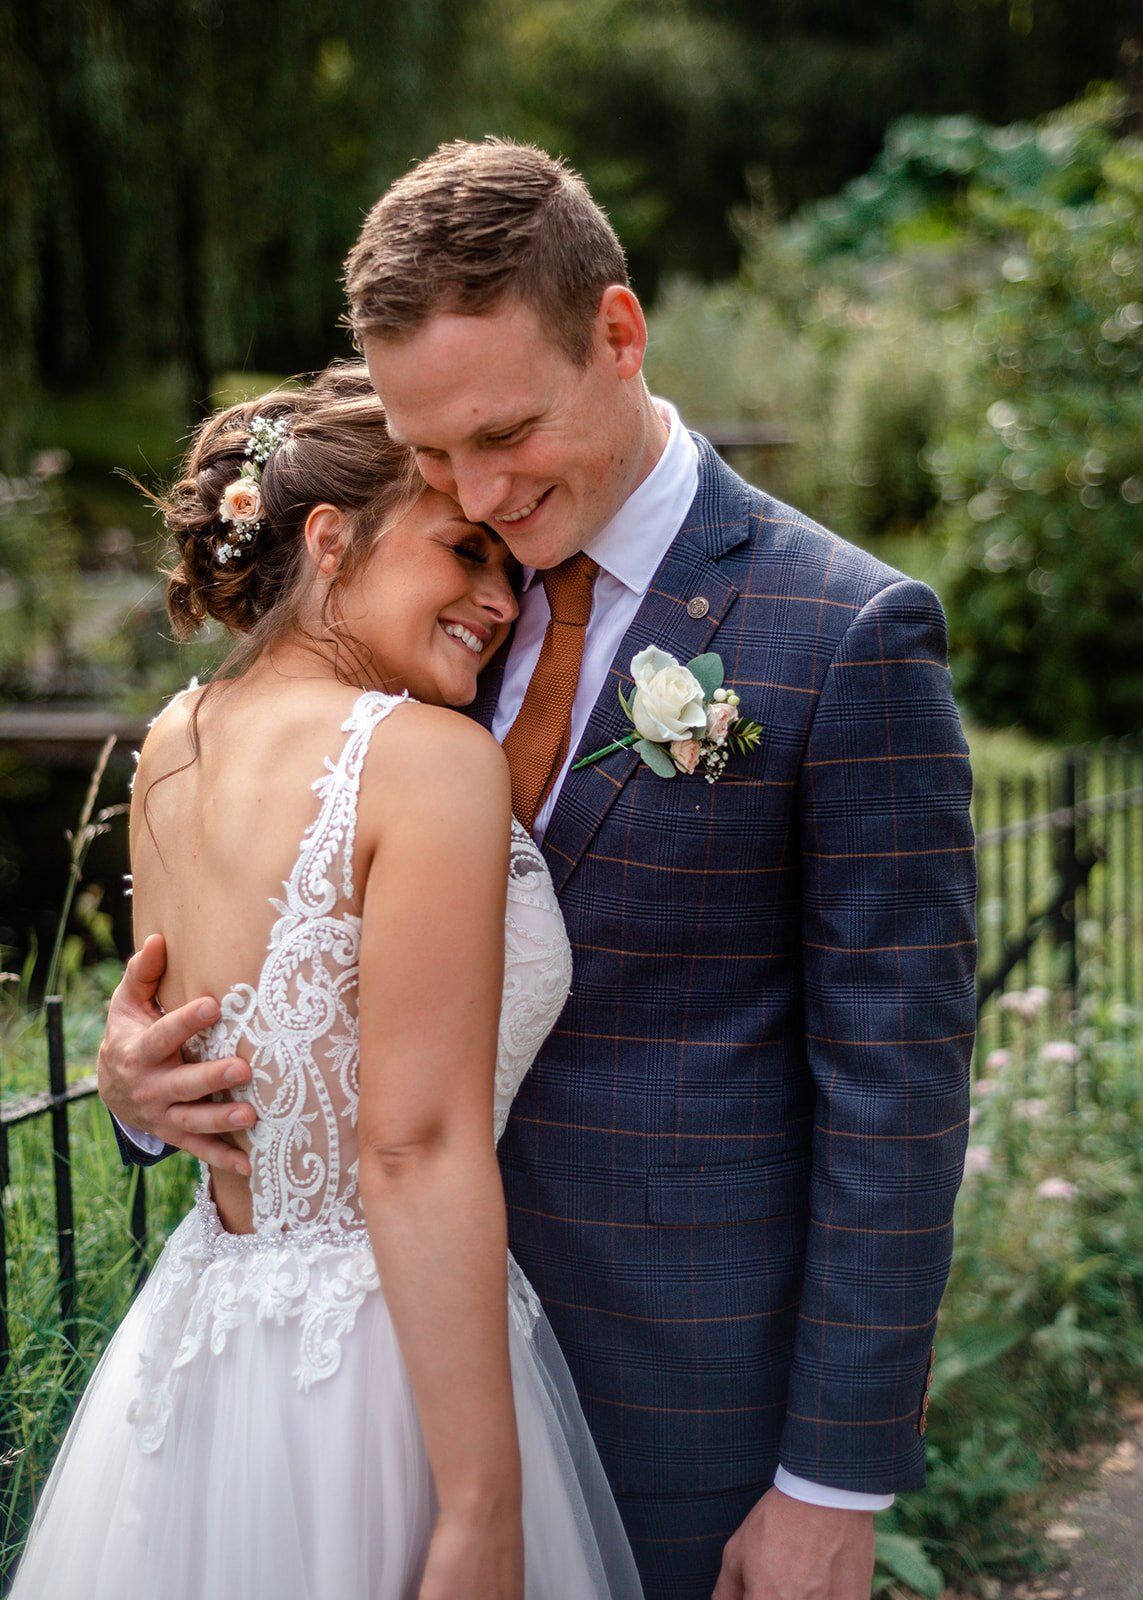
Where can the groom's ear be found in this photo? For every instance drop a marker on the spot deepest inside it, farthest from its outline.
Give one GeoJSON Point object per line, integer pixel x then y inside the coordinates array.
{"type": "Point", "coordinates": [623, 329]}
{"type": "Point", "coordinates": [324, 534]}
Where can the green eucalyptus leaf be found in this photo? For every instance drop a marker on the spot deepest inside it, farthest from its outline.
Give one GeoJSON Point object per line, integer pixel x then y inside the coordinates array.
{"type": "Point", "coordinates": [656, 758]}
{"type": "Point", "coordinates": [709, 671]}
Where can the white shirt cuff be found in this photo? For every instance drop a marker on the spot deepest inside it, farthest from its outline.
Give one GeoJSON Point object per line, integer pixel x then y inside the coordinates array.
{"type": "Point", "coordinates": [149, 1143]}
{"type": "Point", "coordinates": [821, 1494]}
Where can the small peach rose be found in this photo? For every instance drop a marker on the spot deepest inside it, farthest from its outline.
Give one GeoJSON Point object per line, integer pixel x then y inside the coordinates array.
{"type": "Point", "coordinates": [685, 754]}
{"type": "Point", "coordinates": [241, 502]}
{"type": "Point", "coordinates": [718, 720]}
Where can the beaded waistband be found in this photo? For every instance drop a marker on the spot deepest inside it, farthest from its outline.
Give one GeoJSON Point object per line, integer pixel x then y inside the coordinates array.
{"type": "Point", "coordinates": [218, 1241]}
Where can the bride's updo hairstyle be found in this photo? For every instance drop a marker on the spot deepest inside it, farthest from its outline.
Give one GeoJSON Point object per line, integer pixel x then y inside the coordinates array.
{"type": "Point", "coordinates": [334, 448]}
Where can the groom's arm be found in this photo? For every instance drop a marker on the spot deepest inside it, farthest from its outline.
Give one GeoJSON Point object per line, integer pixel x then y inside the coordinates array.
{"type": "Point", "coordinates": [889, 945]}
{"type": "Point", "coordinates": [158, 1102]}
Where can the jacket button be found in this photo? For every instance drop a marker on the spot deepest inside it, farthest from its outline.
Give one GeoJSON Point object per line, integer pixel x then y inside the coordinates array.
{"type": "Point", "coordinates": [698, 607]}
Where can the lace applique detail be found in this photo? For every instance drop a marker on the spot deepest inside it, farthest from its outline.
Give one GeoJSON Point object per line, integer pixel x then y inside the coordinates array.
{"type": "Point", "coordinates": [301, 1020]}
{"type": "Point", "coordinates": [523, 1301]}
{"type": "Point", "coordinates": [308, 1259]}
{"type": "Point", "coordinates": [212, 1281]}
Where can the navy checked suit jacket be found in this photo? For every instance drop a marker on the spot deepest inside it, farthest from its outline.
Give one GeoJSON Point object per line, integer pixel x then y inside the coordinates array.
{"type": "Point", "coordinates": [731, 1171]}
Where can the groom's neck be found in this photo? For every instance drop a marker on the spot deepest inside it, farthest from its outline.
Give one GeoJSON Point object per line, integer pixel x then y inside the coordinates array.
{"type": "Point", "coordinates": [643, 440]}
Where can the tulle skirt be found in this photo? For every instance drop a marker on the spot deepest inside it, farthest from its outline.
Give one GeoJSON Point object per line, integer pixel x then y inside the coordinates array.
{"type": "Point", "coordinates": [240, 1481]}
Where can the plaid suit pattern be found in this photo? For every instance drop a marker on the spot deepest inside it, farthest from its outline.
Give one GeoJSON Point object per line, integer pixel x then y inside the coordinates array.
{"type": "Point", "coordinates": [732, 1169]}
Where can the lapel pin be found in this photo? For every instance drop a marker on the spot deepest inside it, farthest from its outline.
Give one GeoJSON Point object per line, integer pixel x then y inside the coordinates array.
{"type": "Point", "coordinates": [698, 607]}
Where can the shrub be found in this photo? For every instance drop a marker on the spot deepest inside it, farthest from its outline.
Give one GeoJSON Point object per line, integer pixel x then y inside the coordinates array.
{"type": "Point", "coordinates": [1043, 474]}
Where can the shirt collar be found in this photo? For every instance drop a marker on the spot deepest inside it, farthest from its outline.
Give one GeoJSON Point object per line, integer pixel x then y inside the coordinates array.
{"type": "Point", "coordinates": [631, 546]}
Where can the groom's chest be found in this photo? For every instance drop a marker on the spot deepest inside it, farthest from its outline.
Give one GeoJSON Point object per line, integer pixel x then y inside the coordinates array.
{"type": "Point", "coordinates": [619, 838]}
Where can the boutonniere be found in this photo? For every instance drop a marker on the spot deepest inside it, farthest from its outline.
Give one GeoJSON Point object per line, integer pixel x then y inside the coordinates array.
{"type": "Point", "coordinates": [684, 718]}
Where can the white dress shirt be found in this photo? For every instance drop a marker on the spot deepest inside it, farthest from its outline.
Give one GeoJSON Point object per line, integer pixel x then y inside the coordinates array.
{"type": "Point", "coordinates": [628, 550]}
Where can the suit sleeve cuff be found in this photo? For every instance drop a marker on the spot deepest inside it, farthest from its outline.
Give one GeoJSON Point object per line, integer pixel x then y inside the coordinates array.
{"type": "Point", "coordinates": [821, 1494]}
{"type": "Point", "coordinates": [149, 1143]}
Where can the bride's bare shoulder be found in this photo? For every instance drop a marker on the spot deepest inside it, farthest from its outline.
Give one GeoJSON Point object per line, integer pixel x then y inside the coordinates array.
{"type": "Point", "coordinates": [428, 738]}
{"type": "Point", "coordinates": [432, 757]}
{"type": "Point", "coordinates": [171, 734]}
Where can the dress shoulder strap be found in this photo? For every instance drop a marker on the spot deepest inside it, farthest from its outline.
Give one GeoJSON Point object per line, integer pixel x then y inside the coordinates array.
{"type": "Point", "coordinates": [324, 870]}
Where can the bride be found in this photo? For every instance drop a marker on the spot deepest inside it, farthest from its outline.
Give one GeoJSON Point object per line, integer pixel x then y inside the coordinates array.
{"type": "Point", "coordinates": [336, 1384]}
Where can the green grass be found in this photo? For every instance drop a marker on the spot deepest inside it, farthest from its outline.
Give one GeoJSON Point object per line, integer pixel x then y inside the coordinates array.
{"type": "Point", "coordinates": [46, 1375]}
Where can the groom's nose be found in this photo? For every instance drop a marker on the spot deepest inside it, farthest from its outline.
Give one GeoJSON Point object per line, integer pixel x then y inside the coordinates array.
{"type": "Point", "coordinates": [481, 488]}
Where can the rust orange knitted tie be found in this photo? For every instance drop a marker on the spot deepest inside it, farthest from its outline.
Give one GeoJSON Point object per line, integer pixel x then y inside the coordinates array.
{"type": "Point", "coordinates": [537, 742]}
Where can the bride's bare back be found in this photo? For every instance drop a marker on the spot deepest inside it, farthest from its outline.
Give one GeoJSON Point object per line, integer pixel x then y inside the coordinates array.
{"type": "Point", "coordinates": [214, 843]}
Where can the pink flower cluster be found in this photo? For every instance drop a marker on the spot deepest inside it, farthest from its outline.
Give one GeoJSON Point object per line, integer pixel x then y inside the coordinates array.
{"type": "Point", "coordinates": [1026, 1003]}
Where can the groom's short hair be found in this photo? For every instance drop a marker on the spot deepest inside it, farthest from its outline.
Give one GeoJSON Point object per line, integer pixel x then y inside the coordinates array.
{"type": "Point", "coordinates": [473, 223]}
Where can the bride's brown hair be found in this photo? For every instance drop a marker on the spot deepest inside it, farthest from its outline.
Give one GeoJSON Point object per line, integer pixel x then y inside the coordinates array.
{"type": "Point", "coordinates": [337, 451]}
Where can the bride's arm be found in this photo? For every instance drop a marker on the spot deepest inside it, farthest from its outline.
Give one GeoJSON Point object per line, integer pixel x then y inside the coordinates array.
{"type": "Point", "coordinates": [434, 820]}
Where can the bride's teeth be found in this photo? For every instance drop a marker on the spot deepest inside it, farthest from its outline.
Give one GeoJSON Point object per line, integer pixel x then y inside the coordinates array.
{"type": "Point", "coordinates": [524, 511]}
{"type": "Point", "coordinates": [455, 631]}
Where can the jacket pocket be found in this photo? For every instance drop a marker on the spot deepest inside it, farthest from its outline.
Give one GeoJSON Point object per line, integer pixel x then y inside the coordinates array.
{"type": "Point", "coordinates": [727, 1193]}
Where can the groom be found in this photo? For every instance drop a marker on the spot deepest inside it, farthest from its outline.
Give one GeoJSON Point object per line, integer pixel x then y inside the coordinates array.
{"type": "Point", "coordinates": [731, 1172]}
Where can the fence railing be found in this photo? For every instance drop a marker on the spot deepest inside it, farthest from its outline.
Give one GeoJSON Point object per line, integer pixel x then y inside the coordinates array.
{"type": "Point", "coordinates": [1059, 906]}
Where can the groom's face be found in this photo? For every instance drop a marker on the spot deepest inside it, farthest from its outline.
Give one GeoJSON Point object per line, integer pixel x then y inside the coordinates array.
{"type": "Point", "coordinates": [502, 420]}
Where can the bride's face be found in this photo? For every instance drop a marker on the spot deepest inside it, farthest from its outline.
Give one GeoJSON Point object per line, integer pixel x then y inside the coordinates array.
{"type": "Point", "coordinates": [433, 603]}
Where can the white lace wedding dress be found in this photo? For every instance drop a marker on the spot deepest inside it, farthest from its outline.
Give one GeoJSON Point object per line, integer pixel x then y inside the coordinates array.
{"type": "Point", "coordinates": [250, 1430]}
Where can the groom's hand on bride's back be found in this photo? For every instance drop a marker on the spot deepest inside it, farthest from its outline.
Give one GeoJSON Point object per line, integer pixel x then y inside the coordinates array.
{"type": "Point", "coordinates": [144, 1081]}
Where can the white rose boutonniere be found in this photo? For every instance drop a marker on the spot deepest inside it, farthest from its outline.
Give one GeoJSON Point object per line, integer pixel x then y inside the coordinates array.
{"type": "Point", "coordinates": [684, 719]}
{"type": "Point", "coordinates": [668, 702]}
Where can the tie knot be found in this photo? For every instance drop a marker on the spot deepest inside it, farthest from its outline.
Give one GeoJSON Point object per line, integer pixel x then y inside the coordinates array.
{"type": "Point", "coordinates": [568, 588]}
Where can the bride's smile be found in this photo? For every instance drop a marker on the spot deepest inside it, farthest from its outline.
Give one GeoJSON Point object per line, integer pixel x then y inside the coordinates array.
{"type": "Point", "coordinates": [431, 605]}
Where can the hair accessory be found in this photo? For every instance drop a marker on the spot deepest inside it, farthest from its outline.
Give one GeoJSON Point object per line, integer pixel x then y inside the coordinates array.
{"type": "Point", "coordinates": [241, 503]}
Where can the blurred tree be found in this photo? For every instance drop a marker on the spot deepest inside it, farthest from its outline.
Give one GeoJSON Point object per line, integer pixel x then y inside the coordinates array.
{"type": "Point", "coordinates": [181, 178]}
{"type": "Point", "coordinates": [670, 106]}
{"type": "Point", "coordinates": [184, 177]}
{"type": "Point", "coordinates": [1043, 472]}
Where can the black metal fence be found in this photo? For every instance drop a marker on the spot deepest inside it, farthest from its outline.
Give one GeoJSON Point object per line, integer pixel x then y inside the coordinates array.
{"type": "Point", "coordinates": [54, 1103]}
{"type": "Point", "coordinates": [1059, 909]}
{"type": "Point", "coordinates": [1059, 905]}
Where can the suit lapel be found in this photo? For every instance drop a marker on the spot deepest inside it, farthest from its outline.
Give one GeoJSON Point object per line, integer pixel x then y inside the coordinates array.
{"type": "Point", "coordinates": [689, 573]}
